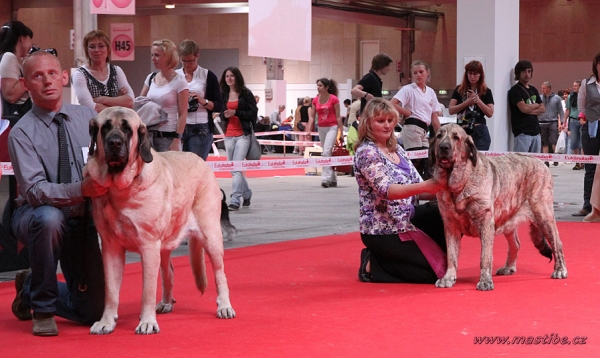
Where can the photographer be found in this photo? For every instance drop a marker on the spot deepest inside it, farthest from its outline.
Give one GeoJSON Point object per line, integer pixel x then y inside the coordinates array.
{"type": "Point", "coordinates": [472, 101]}
{"type": "Point", "coordinates": [204, 99]}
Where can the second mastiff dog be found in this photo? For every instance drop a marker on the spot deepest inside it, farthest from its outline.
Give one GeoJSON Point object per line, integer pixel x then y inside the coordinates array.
{"type": "Point", "coordinates": [492, 196]}
{"type": "Point", "coordinates": [154, 201]}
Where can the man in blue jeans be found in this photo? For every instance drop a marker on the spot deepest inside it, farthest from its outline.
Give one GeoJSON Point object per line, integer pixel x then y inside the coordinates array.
{"type": "Point", "coordinates": [53, 218]}
{"type": "Point", "coordinates": [525, 106]}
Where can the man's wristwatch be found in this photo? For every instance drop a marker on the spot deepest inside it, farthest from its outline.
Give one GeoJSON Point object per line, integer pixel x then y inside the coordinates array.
{"type": "Point", "coordinates": [205, 102]}
{"type": "Point", "coordinates": [179, 135]}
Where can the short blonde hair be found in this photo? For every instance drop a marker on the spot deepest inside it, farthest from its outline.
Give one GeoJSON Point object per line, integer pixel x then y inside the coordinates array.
{"type": "Point", "coordinates": [170, 51]}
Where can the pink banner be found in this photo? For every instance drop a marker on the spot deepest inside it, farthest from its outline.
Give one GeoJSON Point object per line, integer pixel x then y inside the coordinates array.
{"type": "Point", "coordinates": [113, 7]}
{"type": "Point", "coordinates": [122, 42]}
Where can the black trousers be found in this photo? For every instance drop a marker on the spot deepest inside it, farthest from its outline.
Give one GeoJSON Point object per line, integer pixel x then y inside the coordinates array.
{"type": "Point", "coordinates": [591, 146]}
{"type": "Point", "coordinates": [395, 261]}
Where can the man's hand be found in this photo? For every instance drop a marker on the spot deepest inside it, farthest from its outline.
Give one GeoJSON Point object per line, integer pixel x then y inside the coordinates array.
{"type": "Point", "coordinates": [91, 189]}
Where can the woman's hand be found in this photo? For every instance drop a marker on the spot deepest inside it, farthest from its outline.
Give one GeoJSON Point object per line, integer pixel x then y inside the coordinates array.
{"type": "Point", "coordinates": [175, 145]}
{"type": "Point", "coordinates": [229, 113]}
{"type": "Point", "coordinates": [431, 186]}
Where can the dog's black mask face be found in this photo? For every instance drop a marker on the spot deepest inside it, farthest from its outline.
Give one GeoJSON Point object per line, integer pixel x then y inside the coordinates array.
{"type": "Point", "coordinates": [116, 135]}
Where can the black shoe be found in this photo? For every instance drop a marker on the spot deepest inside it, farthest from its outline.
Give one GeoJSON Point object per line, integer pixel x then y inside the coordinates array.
{"type": "Point", "coordinates": [333, 184]}
{"type": "Point", "coordinates": [246, 202]}
{"type": "Point", "coordinates": [547, 164]}
{"type": "Point", "coordinates": [365, 257]}
{"type": "Point", "coordinates": [19, 309]}
{"type": "Point", "coordinates": [233, 207]}
{"type": "Point", "coordinates": [556, 164]}
{"type": "Point", "coordinates": [581, 212]}
{"type": "Point", "coordinates": [325, 184]}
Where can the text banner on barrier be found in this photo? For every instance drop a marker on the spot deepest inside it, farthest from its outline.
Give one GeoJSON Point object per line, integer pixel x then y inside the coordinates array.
{"type": "Point", "coordinates": [227, 166]}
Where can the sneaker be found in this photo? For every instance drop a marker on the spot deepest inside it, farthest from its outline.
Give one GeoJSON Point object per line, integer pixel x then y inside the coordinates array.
{"type": "Point", "coordinates": [233, 207]}
{"type": "Point", "coordinates": [325, 184]}
{"type": "Point", "coordinates": [333, 184]}
{"type": "Point", "coordinates": [246, 202]}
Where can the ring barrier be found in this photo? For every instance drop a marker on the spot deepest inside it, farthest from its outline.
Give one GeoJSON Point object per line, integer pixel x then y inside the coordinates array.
{"type": "Point", "coordinates": [228, 166]}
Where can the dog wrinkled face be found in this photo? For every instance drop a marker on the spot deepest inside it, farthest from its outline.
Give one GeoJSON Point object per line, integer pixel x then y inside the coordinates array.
{"type": "Point", "coordinates": [451, 144]}
{"type": "Point", "coordinates": [446, 140]}
{"type": "Point", "coordinates": [116, 134]}
{"type": "Point", "coordinates": [119, 138]}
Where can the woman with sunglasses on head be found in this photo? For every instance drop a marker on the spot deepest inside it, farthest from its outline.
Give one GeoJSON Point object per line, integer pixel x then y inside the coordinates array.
{"type": "Point", "coordinates": [404, 241]}
{"type": "Point", "coordinates": [472, 100]}
{"type": "Point", "coordinates": [15, 42]}
{"type": "Point", "coordinates": [169, 90]}
{"type": "Point", "coordinates": [99, 84]}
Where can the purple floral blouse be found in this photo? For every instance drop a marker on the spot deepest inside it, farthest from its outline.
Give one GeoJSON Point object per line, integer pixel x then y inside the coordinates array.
{"type": "Point", "coordinates": [374, 173]}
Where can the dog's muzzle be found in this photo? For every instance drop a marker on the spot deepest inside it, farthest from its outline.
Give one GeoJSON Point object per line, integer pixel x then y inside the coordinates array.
{"type": "Point", "coordinates": [444, 155]}
{"type": "Point", "coordinates": [116, 152]}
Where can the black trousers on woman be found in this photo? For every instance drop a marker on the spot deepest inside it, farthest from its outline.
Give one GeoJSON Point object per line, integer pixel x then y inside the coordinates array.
{"type": "Point", "coordinates": [394, 261]}
{"type": "Point", "coordinates": [591, 146]}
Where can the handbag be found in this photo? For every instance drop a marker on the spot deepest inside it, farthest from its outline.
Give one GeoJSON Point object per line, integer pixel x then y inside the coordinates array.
{"type": "Point", "coordinates": [340, 151]}
{"type": "Point", "coordinates": [561, 143]}
{"type": "Point", "coordinates": [254, 150]}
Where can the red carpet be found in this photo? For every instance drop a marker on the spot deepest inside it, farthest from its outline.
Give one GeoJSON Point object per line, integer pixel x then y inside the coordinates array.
{"type": "Point", "coordinates": [261, 173]}
{"type": "Point", "coordinates": [302, 299]}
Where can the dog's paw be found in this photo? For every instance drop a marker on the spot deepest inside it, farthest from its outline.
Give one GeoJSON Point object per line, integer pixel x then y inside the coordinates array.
{"type": "Point", "coordinates": [163, 307]}
{"type": "Point", "coordinates": [445, 282]}
{"type": "Point", "coordinates": [104, 326]}
{"type": "Point", "coordinates": [226, 313]}
{"type": "Point", "coordinates": [147, 327]}
{"type": "Point", "coordinates": [485, 285]}
{"type": "Point", "coordinates": [505, 271]}
{"type": "Point", "coordinates": [562, 273]}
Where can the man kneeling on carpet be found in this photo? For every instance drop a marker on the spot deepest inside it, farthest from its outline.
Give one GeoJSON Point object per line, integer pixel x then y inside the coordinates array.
{"type": "Point", "coordinates": [46, 149]}
{"type": "Point", "coordinates": [404, 241]}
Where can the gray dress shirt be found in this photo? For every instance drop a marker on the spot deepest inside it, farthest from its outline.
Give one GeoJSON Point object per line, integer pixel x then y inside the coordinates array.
{"type": "Point", "coordinates": [33, 149]}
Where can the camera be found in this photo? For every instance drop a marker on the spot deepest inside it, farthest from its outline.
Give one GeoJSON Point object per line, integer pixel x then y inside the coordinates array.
{"type": "Point", "coordinates": [469, 121]}
{"type": "Point", "coordinates": [192, 104]}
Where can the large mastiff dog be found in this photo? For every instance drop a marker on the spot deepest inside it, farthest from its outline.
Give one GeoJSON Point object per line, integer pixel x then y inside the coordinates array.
{"type": "Point", "coordinates": [491, 196]}
{"type": "Point", "coordinates": [154, 201]}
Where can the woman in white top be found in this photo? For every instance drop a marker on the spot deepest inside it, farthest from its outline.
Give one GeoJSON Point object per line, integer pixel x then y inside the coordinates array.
{"type": "Point", "coordinates": [99, 85]}
{"type": "Point", "coordinates": [419, 105]}
{"type": "Point", "coordinates": [168, 89]}
{"type": "Point", "coordinates": [15, 42]}
{"type": "Point", "coordinates": [204, 99]}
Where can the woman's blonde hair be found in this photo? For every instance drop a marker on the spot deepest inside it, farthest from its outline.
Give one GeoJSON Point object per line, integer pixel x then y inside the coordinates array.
{"type": "Point", "coordinates": [376, 108]}
{"type": "Point", "coordinates": [170, 51]}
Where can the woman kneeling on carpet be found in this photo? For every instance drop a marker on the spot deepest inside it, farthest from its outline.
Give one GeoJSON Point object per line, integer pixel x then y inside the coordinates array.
{"type": "Point", "coordinates": [404, 241]}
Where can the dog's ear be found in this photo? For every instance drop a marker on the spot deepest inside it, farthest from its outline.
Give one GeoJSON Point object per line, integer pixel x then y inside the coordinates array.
{"type": "Point", "coordinates": [471, 150]}
{"type": "Point", "coordinates": [432, 146]}
{"type": "Point", "coordinates": [144, 144]}
{"type": "Point", "coordinates": [94, 128]}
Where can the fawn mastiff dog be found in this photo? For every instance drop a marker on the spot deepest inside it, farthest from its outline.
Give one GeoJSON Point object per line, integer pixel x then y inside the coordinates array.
{"type": "Point", "coordinates": [491, 196]}
{"type": "Point", "coordinates": [154, 201]}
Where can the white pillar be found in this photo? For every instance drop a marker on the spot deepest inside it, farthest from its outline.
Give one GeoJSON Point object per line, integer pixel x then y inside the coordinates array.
{"type": "Point", "coordinates": [83, 22]}
{"type": "Point", "coordinates": [279, 92]}
{"type": "Point", "coordinates": [488, 31]}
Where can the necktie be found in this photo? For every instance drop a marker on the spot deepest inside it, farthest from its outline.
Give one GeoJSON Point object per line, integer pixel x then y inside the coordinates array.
{"type": "Point", "coordinates": [64, 165]}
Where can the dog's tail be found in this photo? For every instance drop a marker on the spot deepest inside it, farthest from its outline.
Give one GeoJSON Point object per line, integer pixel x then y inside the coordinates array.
{"type": "Point", "coordinates": [540, 241]}
{"type": "Point", "coordinates": [198, 263]}
{"type": "Point", "coordinates": [229, 231]}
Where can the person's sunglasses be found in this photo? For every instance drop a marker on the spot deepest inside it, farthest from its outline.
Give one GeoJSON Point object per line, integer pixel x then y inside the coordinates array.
{"type": "Point", "coordinates": [49, 50]}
